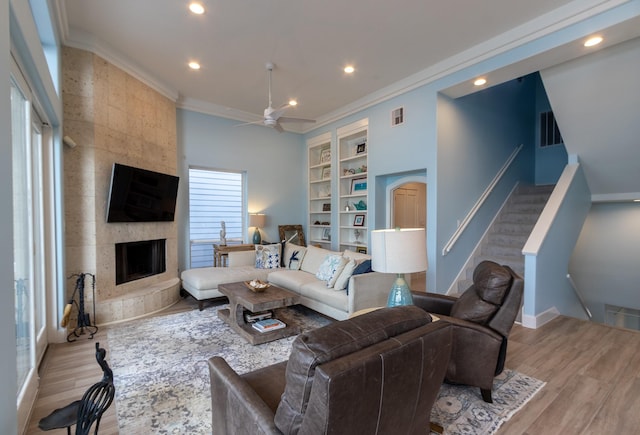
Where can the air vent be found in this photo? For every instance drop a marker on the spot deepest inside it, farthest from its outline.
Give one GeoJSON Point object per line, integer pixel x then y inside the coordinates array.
{"type": "Point", "coordinates": [397, 116]}
{"type": "Point", "coordinates": [549, 131]}
{"type": "Point", "coordinates": [622, 317]}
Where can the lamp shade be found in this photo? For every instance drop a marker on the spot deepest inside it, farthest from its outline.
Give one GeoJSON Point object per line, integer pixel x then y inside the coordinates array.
{"type": "Point", "coordinates": [399, 251]}
{"type": "Point", "coordinates": [256, 220]}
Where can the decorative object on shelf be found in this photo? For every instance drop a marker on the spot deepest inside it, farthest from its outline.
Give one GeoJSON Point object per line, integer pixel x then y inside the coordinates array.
{"type": "Point", "coordinates": [358, 220]}
{"type": "Point", "coordinates": [361, 148]}
{"type": "Point", "coordinates": [348, 171]}
{"type": "Point", "coordinates": [257, 220]}
{"type": "Point", "coordinates": [326, 173]}
{"type": "Point", "coordinates": [356, 233]}
{"type": "Point", "coordinates": [326, 207]}
{"type": "Point", "coordinates": [346, 207]}
{"type": "Point", "coordinates": [292, 234]}
{"type": "Point", "coordinates": [360, 170]}
{"type": "Point", "coordinates": [361, 205]}
{"type": "Point", "coordinates": [399, 251]}
{"type": "Point", "coordinates": [325, 155]}
{"type": "Point", "coordinates": [326, 234]}
{"type": "Point", "coordinates": [361, 249]}
{"type": "Point", "coordinates": [358, 185]}
{"type": "Point", "coordinates": [223, 233]}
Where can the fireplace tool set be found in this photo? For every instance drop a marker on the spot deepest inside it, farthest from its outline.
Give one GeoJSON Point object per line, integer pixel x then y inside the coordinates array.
{"type": "Point", "coordinates": [83, 324]}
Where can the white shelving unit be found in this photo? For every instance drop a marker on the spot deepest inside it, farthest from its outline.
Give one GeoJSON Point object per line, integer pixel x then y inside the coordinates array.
{"type": "Point", "coordinates": [320, 187]}
{"type": "Point", "coordinates": [353, 190]}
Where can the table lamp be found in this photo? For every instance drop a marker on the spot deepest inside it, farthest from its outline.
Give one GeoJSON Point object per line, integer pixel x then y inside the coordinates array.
{"type": "Point", "coordinates": [399, 251]}
{"type": "Point", "coordinates": [256, 220]}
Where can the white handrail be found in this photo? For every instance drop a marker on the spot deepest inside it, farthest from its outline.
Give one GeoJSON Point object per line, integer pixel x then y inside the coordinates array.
{"type": "Point", "coordinates": [579, 295]}
{"type": "Point", "coordinates": [465, 222]}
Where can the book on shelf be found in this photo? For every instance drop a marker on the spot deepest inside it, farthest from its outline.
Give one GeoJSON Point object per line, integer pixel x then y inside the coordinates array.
{"type": "Point", "coordinates": [267, 325]}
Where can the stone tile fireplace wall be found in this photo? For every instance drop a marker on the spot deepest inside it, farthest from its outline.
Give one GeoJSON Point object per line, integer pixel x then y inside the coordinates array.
{"type": "Point", "coordinates": [113, 117]}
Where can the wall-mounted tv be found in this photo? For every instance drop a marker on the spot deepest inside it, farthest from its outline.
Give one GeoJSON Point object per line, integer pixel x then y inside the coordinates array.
{"type": "Point", "coordinates": [139, 195]}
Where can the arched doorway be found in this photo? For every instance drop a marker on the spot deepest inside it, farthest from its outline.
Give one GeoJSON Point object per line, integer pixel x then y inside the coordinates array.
{"type": "Point", "coordinates": [407, 206]}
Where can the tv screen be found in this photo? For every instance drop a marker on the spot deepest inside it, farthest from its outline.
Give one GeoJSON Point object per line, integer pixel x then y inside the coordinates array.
{"type": "Point", "coordinates": [139, 195]}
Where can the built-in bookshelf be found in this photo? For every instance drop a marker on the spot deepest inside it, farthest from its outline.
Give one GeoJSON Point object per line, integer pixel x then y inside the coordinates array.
{"type": "Point", "coordinates": [320, 186]}
{"type": "Point", "coordinates": [353, 190]}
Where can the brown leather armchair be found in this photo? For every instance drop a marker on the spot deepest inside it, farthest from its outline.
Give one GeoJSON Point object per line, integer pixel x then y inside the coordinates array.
{"type": "Point", "coordinates": [482, 318]}
{"type": "Point", "coordinates": [378, 373]}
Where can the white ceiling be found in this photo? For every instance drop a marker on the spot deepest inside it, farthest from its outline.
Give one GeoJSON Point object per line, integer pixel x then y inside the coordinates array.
{"type": "Point", "coordinates": [309, 41]}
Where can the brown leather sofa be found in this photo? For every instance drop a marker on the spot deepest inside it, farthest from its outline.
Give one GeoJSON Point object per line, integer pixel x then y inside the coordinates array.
{"type": "Point", "coordinates": [482, 318]}
{"type": "Point", "coordinates": [378, 373]}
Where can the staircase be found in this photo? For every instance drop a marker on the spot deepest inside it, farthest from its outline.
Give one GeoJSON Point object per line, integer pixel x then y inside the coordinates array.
{"type": "Point", "coordinates": [505, 239]}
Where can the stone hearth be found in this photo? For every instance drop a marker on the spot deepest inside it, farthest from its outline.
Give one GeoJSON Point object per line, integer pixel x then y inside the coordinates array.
{"type": "Point", "coordinates": [113, 117]}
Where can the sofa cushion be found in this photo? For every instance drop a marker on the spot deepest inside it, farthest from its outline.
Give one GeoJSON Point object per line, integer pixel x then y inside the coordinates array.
{"type": "Point", "coordinates": [318, 291]}
{"type": "Point", "coordinates": [293, 255]}
{"type": "Point", "coordinates": [358, 256]}
{"type": "Point", "coordinates": [206, 278]}
{"type": "Point", "coordinates": [318, 346]}
{"type": "Point", "coordinates": [292, 279]}
{"type": "Point", "coordinates": [313, 258]}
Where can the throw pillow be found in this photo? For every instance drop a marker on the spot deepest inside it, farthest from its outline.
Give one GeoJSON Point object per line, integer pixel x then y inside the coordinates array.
{"type": "Point", "coordinates": [337, 272]}
{"type": "Point", "coordinates": [268, 256]}
{"type": "Point", "coordinates": [314, 258]}
{"type": "Point", "coordinates": [343, 280]}
{"type": "Point", "coordinates": [364, 267]}
{"type": "Point", "coordinates": [293, 255]}
{"type": "Point", "coordinates": [329, 266]}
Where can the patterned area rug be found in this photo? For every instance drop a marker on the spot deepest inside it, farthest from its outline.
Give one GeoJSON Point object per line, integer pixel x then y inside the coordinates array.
{"type": "Point", "coordinates": [162, 378]}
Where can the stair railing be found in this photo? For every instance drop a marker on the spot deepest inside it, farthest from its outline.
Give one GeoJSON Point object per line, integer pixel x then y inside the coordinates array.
{"type": "Point", "coordinates": [467, 219]}
{"type": "Point", "coordinates": [579, 295]}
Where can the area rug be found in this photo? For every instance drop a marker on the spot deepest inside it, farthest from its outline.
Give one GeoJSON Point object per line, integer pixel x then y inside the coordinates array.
{"type": "Point", "coordinates": [162, 380]}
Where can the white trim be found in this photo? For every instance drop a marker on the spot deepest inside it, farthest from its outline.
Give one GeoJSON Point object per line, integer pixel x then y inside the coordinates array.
{"type": "Point", "coordinates": [534, 322]}
{"type": "Point", "coordinates": [615, 197]}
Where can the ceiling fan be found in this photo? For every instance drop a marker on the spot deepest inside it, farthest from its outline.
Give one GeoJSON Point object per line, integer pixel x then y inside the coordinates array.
{"type": "Point", "coordinates": [273, 117]}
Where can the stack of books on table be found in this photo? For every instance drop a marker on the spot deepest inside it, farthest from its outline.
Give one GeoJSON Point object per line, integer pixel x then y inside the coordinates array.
{"type": "Point", "coordinates": [250, 317]}
{"type": "Point", "coordinates": [267, 325]}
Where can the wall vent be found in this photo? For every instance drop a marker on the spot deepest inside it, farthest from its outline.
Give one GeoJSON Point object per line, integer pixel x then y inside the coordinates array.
{"type": "Point", "coordinates": [397, 116]}
{"type": "Point", "coordinates": [549, 131]}
{"type": "Point", "coordinates": [622, 317]}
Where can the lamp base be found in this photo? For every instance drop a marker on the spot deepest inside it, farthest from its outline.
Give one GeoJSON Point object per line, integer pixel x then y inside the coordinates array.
{"type": "Point", "coordinates": [256, 237]}
{"type": "Point", "coordinates": [400, 293]}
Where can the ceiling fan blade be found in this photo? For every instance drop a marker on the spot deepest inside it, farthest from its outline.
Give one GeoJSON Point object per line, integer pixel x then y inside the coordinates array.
{"type": "Point", "coordinates": [286, 119]}
{"type": "Point", "coordinates": [278, 128]}
{"type": "Point", "coordinates": [250, 123]}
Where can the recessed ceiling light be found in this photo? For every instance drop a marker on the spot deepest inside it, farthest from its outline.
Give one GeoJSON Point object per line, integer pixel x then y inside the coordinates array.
{"type": "Point", "coordinates": [293, 103]}
{"type": "Point", "coordinates": [349, 69]}
{"type": "Point", "coordinates": [194, 65]}
{"type": "Point", "coordinates": [636, 200]}
{"type": "Point", "coordinates": [196, 8]}
{"type": "Point", "coordinates": [593, 41]}
{"type": "Point", "coordinates": [480, 81]}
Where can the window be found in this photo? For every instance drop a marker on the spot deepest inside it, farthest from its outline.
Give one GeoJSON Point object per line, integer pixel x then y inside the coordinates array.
{"type": "Point", "coordinates": [214, 197]}
{"type": "Point", "coordinates": [549, 131]}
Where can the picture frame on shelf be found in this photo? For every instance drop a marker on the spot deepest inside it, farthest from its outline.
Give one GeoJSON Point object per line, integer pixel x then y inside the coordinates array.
{"type": "Point", "coordinates": [361, 249]}
{"type": "Point", "coordinates": [358, 185]}
{"type": "Point", "coordinates": [325, 155]}
{"type": "Point", "coordinates": [358, 220]}
{"type": "Point", "coordinates": [326, 234]}
{"type": "Point", "coordinates": [326, 206]}
{"type": "Point", "coordinates": [361, 148]}
{"type": "Point", "coordinates": [326, 173]}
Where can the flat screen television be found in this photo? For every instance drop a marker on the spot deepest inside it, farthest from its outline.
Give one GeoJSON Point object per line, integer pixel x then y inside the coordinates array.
{"type": "Point", "coordinates": [140, 195]}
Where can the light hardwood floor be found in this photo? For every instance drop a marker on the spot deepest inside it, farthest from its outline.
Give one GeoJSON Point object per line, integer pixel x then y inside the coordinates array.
{"type": "Point", "coordinates": [592, 373]}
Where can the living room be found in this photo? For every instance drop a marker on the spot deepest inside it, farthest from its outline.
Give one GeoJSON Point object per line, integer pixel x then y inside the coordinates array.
{"type": "Point", "coordinates": [280, 160]}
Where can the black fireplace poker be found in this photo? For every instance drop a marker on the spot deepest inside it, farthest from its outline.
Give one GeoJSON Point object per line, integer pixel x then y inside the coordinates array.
{"type": "Point", "coordinates": [84, 321]}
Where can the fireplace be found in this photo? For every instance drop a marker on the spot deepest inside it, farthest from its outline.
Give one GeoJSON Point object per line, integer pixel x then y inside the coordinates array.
{"type": "Point", "coordinates": [136, 260]}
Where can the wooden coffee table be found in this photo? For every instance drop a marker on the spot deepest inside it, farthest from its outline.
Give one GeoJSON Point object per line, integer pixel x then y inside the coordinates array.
{"type": "Point", "coordinates": [241, 298]}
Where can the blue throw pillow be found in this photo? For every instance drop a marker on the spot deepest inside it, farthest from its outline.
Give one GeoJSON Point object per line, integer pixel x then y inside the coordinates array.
{"type": "Point", "coordinates": [364, 267]}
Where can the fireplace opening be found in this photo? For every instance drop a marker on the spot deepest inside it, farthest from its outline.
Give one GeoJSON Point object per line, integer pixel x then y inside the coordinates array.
{"type": "Point", "coordinates": [137, 260]}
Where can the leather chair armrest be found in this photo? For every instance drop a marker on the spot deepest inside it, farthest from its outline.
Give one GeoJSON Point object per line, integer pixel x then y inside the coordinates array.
{"type": "Point", "coordinates": [236, 407]}
{"type": "Point", "coordinates": [433, 302]}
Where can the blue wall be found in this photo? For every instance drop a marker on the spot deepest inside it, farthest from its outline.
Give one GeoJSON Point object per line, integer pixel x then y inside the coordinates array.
{"type": "Point", "coordinates": [275, 164]}
{"type": "Point", "coordinates": [550, 160]}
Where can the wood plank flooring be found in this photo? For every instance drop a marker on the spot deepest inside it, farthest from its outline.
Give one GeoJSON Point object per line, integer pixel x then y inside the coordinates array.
{"type": "Point", "coordinates": [592, 373]}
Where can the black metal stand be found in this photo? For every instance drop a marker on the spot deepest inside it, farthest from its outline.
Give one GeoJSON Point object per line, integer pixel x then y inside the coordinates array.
{"type": "Point", "coordinates": [84, 321]}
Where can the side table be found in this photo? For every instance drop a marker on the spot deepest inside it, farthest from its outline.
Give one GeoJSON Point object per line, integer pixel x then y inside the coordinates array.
{"type": "Point", "coordinates": [221, 252]}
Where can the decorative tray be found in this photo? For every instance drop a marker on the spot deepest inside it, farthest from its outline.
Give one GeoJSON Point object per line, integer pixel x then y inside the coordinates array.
{"type": "Point", "coordinates": [257, 285]}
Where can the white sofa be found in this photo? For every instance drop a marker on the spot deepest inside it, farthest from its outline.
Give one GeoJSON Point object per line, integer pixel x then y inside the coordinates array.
{"type": "Point", "coordinates": [362, 291]}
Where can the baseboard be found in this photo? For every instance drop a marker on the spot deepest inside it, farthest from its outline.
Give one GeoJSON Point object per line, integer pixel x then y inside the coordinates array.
{"type": "Point", "coordinates": [534, 322]}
